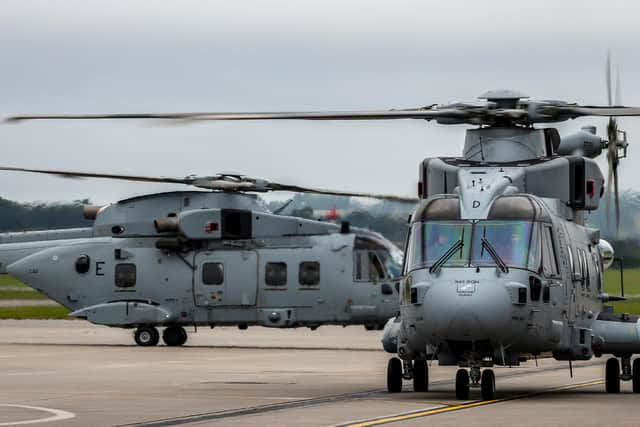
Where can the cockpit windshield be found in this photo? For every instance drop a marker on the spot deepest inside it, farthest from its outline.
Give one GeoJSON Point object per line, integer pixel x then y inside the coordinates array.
{"type": "Point", "coordinates": [514, 241]}
{"type": "Point", "coordinates": [431, 240]}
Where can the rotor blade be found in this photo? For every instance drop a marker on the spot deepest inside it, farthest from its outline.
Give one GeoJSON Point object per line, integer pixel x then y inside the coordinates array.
{"type": "Point", "coordinates": [607, 203]}
{"type": "Point", "coordinates": [618, 97]}
{"type": "Point", "coordinates": [299, 189]}
{"type": "Point", "coordinates": [616, 199]}
{"type": "Point", "coordinates": [430, 113]}
{"type": "Point", "coordinates": [589, 110]}
{"type": "Point", "coordinates": [608, 78]}
{"type": "Point", "coordinates": [75, 174]}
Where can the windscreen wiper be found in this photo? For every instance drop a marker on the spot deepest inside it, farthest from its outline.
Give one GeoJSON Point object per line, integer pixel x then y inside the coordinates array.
{"type": "Point", "coordinates": [445, 256]}
{"type": "Point", "coordinates": [496, 258]}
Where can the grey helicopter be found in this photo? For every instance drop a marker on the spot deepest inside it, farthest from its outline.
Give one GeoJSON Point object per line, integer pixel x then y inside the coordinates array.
{"type": "Point", "coordinates": [208, 258]}
{"type": "Point", "coordinates": [499, 263]}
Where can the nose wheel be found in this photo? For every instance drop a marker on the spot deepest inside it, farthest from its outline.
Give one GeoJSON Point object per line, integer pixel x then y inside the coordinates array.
{"type": "Point", "coordinates": [462, 384]}
{"type": "Point", "coordinates": [614, 373]}
{"type": "Point", "coordinates": [465, 380]}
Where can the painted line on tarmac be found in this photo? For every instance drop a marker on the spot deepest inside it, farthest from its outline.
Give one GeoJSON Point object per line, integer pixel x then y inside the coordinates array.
{"type": "Point", "coordinates": [58, 415]}
{"type": "Point", "coordinates": [421, 414]}
{"type": "Point", "coordinates": [303, 403]}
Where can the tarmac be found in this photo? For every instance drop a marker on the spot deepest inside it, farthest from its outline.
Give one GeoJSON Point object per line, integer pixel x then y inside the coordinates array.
{"type": "Point", "coordinates": [71, 373]}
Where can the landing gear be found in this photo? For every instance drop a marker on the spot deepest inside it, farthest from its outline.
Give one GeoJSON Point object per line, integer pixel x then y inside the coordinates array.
{"type": "Point", "coordinates": [420, 375]}
{"type": "Point", "coordinates": [636, 376]}
{"type": "Point", "coordinates": [174, 336]}
{"type": "Point", "coordinates": [612, 376]}
{"type": "Point", "coordinates": [394, 375]}
{"type": "Point", "coordinates": [488, 385]}
{"type": "Point", "coordinates": [465, 380]}
{"type": "Point", "coordinates": [462, 384]}
{"type": "Point", "coordinates": [146, 336]}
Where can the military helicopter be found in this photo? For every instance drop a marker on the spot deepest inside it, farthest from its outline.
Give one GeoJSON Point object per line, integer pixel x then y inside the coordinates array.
{"type": "Point", "coordinates": [207, 258]}
{"type": "Point", "coordinates": [498, 263]}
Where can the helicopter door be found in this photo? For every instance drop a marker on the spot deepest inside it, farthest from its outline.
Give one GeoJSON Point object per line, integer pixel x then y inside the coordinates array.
{"type": "Point", "coordinates": [225, 278]}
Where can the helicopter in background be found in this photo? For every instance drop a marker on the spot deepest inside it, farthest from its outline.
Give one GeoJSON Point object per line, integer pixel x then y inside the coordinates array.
{"type": "Point", "coordinates": [499, 263]}
{"type": "Point", "coordinates": [208, 258]}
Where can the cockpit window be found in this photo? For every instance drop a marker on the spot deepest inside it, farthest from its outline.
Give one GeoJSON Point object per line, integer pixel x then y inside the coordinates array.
{"type": "Point", "coordinates": [510, 239]}
{"type": "Point", "coordinates": [392, 261]}
{"type": "Point", "coordinates": [431, 240]}
{"type": "Point", "coordinates": [368, 266]}
{"type": "Point", "coordinates": [515, 242]}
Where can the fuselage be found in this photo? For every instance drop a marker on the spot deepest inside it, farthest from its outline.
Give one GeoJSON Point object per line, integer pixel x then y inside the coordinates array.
{"type": "Point", "coordinates": [523, 281]}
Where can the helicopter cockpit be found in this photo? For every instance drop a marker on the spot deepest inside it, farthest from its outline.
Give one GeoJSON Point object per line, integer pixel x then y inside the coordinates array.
{"type": "Point", "coordinates": [509, 238]}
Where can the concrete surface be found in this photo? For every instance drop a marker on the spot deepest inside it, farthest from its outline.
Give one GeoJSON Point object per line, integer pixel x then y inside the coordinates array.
{"type": "Point", "coordinates": [69, 373]}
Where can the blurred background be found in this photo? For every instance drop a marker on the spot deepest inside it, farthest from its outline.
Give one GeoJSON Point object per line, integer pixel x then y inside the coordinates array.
{"type": "Point", "coordinates": [100, 56]}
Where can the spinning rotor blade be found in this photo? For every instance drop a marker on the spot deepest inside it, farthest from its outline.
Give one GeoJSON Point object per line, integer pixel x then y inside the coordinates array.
{"type": "Point", "coordinates": [298, 189]}
{"type": "Point", "coordinates": [79, 175]}
{"type": "Point", "coordinates": [613, 158]}
{"type": "Point", "coordinates": [220, 182]}
{"type": "Point", "coordinates": [427, 114]}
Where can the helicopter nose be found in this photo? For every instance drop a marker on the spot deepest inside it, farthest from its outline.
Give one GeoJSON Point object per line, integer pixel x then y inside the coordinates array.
{"type": "Point", "coordinates": [479, 312]}
{"type": "Point", "coordinates": [33, 270]}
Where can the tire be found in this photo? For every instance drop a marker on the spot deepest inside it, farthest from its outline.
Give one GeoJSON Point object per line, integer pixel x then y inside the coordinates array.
{"type": "Point", "coordinates": [174, 336]}
{"type": "Point", "coordinates": [462, 384]}
{"type": "Point", "coordinates": [146, 336]}
{"type": "Point", "coordinates": [488, 385]}
{"type": "Point", "coordinates": [612, 376]}
{"type": "Point", "coordinates": [420, 375]}
{"type": "Point", "coordinates": [394, 375]}
{"type": "Point", "coordinates": [636, 376]}
{"type": "Point", "coordinates": [185, 336]}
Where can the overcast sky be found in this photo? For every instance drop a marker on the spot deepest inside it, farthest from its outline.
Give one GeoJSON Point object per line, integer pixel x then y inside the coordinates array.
{"type": "Point", "coordinates": [128, 56]}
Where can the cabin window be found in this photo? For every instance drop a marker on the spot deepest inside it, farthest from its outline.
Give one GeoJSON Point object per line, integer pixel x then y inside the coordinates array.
{"type": "Point", "coordinates": [213, 273]}
{"type": "Point", "coordinates": [275, 274]}
{"type": "Point", "coordinates": [572, 264]}
{"type": "Point", "coordinates": [549, 263]}
{"type": "Point", "coordinates": [125, 275]}
{"type": "Point", "coordinates": [546, 294]}
{"type": "Point", "coordinates": [309, 273]}
{"type": "Point", "coordinates": [596, 264]}
{"type": "Point", "coordinates": [535, 287]}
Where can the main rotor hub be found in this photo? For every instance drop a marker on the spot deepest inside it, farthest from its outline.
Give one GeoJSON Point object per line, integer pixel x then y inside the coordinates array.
{"type": "Point", "coordinates": [504, 98]}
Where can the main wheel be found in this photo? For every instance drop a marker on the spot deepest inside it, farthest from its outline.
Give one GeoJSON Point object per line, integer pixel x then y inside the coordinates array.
{"type": "Point", "coordinates": [462, 384]}
{"type": "Point", "coordinates": [174, 336]}
{"type": "Point", "coordinates": [636, 376]}
{"type": "Point", "coordinates": [184, 337]}
{"type": "Point", "coordinates": [420, 375]}
{"type": "Point", "coordinates": [612, 376]}
{"type": "Point", "coordinates": [394, 375]}
{"type": "Point", "coordinates": [488, 385]}
{"type": "Point", "coordinates": [146, 336]}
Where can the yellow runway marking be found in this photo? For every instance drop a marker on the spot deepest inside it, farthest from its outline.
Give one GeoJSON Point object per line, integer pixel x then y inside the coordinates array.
{"type": "Point", "coordinates": [475, 404]}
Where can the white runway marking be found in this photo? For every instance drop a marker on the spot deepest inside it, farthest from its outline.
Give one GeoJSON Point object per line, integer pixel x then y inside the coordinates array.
{"type": "Point", "coordinates": [58, 415]}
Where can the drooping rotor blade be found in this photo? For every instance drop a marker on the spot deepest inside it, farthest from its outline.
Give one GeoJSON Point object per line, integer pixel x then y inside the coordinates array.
{"type": "Point", "coordinates": [299, 189]}
{"type": "Point", "coordinates": [219, 182]}
{"type": "Point", "coordinates": [76, 174]}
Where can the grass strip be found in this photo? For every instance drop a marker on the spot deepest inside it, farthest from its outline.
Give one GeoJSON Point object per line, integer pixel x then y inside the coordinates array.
{"type": "Point", "coordinates": [29, 312]}
{"type": "Point", "coordinates": [26, 294]}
